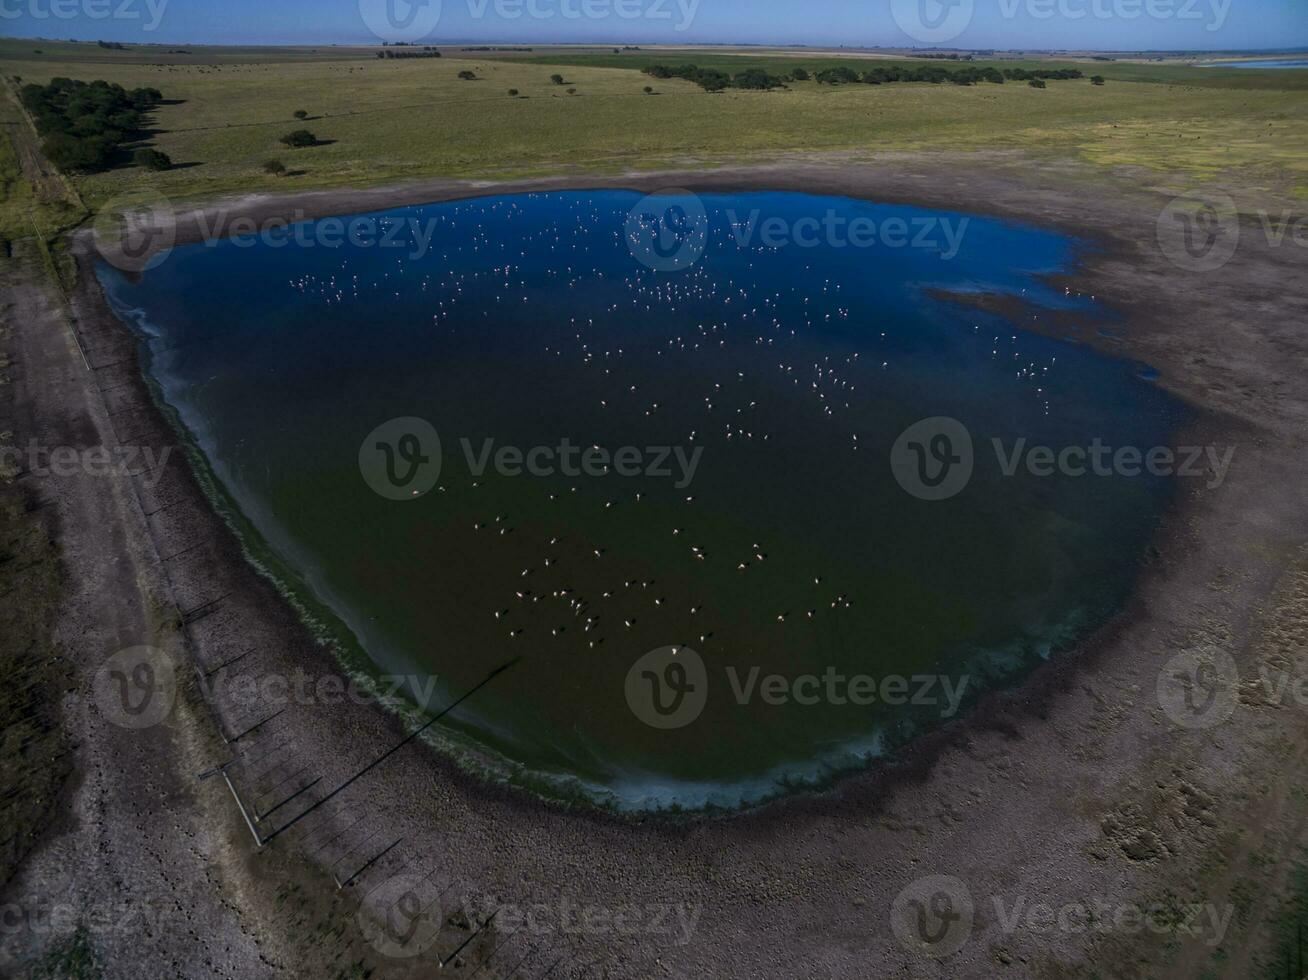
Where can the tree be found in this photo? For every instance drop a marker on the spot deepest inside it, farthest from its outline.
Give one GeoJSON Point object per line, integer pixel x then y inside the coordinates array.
{"type": "Point", "coordinates": [1096, 79]}
{"type": "Point", "coordinates": [513, 92]}
{"type": "Point", "coordinates": [151, 159]}
{"type": "Point", "coordinates": [556, 79]}
{"type": "Point", "coordinates": [275, 167]}
{"type": "Point", "coordinates": [468, 76]}
{"type": "Point", "coordinates": [301, 114]}
{"type": "Point", "coordinates": [300, 138]}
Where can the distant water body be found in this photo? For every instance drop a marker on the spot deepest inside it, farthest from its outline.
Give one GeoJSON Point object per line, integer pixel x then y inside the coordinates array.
{"type": "Point", "coordinates": [791, 362]}
{"type": "Point", "coordinates": [1263, 63]}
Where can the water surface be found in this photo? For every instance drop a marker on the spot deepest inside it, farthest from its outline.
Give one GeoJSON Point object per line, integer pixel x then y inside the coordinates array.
{"type": "Point", "coordinates": [1263, 63]}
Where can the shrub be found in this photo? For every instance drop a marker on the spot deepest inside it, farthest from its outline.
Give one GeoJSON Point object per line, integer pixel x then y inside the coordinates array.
{"type": "Point", "coordinates": [301, 114]}
{"type": "Point", "coordinates": [556, 79]}
{"type": "Point", "coordinates": [467, 76]}
{"type": "Point", "coordinates": [837, 76]}
{"type": "Point", "coordinates": [151, 159]}
{"type": "Point", "coordinates": [649, 89]}
{"type": "Point", "coordinates": [572, 91]}
{"type": "Point", "coordinates": [1037, 83]}
{"type": "Point", "coordinates": [800, 75]}
{"type": "Point", "coordinates": [513, 92]}
{"type": "Point", "coordinates": [300, 138]}
{"type": "Point", "coordinates": [275, 167]}
{"type": "Point", "coordinates": [1096, 79]}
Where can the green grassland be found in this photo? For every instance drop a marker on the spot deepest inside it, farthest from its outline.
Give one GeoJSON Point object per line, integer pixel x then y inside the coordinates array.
{"type": "Point", "coordinates": [380, 121]}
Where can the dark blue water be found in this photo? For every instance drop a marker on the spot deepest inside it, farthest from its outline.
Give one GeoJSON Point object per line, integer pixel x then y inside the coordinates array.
{"type": "Point", "coordinates": [794, 549]}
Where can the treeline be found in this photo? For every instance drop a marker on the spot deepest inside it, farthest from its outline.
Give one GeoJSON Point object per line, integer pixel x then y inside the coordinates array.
{"type": "Point", "coordinates": [712, 80]}
{"type": "Point", "coordinates": [715, 81]}
{"type": "Point", "coordinates": [427, 52]}
{"type": "Point", "coordinates": [85, 124]}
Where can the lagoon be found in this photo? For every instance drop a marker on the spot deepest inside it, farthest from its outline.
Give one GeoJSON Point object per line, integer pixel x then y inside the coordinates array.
{"type": "Point", "coordinates": [712, 435]}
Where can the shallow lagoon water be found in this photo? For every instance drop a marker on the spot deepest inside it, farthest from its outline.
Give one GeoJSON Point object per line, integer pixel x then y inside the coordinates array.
{"type": "Point", "coordinates": [1267, 63]}
{"type": "Point", "coordinates": [793, 369]}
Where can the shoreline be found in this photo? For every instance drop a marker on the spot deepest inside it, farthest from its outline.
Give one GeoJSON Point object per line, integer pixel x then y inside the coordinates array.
{"type": "Point", "coordinates": [1003, 716]}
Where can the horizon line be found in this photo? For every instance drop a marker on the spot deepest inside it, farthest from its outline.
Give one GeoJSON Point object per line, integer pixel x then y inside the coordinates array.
{"type": "Point", "coordinates": [377, 43]}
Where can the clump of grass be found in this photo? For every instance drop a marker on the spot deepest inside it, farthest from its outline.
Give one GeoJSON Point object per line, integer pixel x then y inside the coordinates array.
{"type": "Point", "coordinates": [72, 959]}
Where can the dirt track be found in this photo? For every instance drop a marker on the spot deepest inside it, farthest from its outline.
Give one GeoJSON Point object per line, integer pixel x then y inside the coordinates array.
{"type": "Point", "coordinates": [1076, 789]}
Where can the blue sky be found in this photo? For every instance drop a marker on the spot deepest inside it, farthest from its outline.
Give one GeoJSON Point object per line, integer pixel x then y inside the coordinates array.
{"type": "Point", "coordinates": [1103, 24]}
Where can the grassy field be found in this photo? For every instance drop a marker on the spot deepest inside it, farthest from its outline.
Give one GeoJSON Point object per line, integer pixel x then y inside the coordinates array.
{"type": "Point", "coordinates": [380, 121]}
{"type": "Point", "coordinates": [779, 63]}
